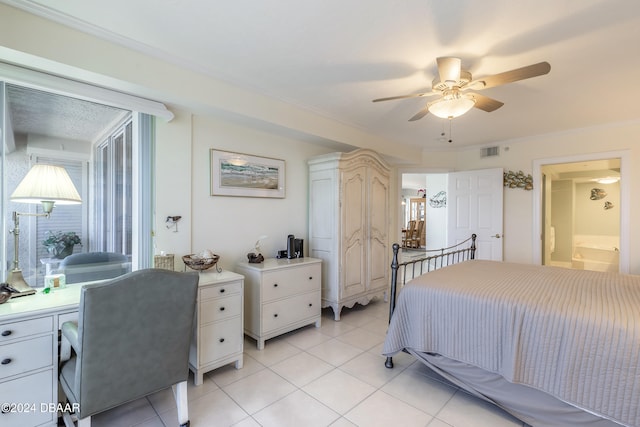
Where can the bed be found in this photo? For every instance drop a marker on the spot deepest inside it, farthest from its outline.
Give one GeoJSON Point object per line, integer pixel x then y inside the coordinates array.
{"type": "Point", "coordinates": [552, 346]}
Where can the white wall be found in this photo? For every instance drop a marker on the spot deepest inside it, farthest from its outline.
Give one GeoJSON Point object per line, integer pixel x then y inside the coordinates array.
{"type": "Point", "coordinates": [230, 226]}
{"type": "Point", "coordinates": [436, 217]}
{"type": "Point", "coordinates": [520, 155]}
{"type": "Point", "coordinates": [590, 215]}
{"type": "Point", "coordinates": [173, 186]}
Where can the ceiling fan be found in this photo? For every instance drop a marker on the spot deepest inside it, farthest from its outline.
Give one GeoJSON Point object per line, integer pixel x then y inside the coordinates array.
{"type": "Point", "coordinates": [452, 83]}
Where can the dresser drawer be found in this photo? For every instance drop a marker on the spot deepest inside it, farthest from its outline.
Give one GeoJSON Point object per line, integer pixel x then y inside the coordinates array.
{"type": "Point", "coordinates": [279, 314]}
{"type": "Point", "coordinates": [26, 355]}
{"type": "Point", "coordinates": [290, 281]}
{"type": "Point", "coordinates": [220, 308]}
{"type": "Point", "coordinates": [26, 394]}
{"type": "Point", "coordinates": [220, 339]}
{"type": "Point", "coordinates": [221, 290]}
{"type": "Point", "coordinates": [11, 331]}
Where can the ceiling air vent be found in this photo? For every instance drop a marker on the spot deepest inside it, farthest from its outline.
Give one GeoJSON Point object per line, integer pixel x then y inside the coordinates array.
{"type": "Point", "coordinates": [489, 151]}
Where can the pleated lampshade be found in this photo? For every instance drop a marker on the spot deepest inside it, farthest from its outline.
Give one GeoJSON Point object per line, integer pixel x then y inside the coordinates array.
{"type": "Point", "coordinates": [46, 183]}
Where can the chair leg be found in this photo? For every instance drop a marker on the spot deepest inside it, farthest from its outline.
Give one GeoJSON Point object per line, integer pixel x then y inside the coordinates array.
{"type": "Point", "coordinates": [69, 421]}
{"type": "Point", "coordinates": [180, 391]}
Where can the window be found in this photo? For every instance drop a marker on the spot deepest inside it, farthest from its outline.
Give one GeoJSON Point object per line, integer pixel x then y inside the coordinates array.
{"type": "Point", "coordinates": [114, 178]}
{"type": "Point", "coordinates": [113, 195]}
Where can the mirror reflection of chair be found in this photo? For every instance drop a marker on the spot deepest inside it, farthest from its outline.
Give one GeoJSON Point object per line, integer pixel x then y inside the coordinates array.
{"type": "Point", "coordinates": [408, 233]}
{"type": "Point", "coordinates": [131, 339]}
{"type": "Point", "coordinates": [91, 266]}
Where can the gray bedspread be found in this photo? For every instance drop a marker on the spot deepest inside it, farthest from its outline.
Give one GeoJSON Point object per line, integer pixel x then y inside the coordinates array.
{"type": "Point", "coordinates": [570, 333]}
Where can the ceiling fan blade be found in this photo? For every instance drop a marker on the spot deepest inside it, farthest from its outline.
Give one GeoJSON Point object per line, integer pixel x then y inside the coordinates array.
{"type": "Point", "coordinates": [420, 114]}
{"type": "Point", "coordinates": [527, 72]}
{"type": "Point", "coordinates": [485, 103]}
{"type": "Point", "coordinates": [414, 95]}
{"type": "Point", "coordinates": [449, 69]}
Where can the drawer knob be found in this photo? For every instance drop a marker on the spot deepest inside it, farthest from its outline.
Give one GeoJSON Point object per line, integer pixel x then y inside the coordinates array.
{"type": "Point", "coordinates": [310, 305]}
{"type": "Point", "coordinates": [275, 315]}
{"type": "Point", "coordinates": [221, 308]}
{"type": "Point", "coordinates": [221, 339]}
{"type": "Point", "coordinates": [6, 333]}
{"type": "Point", "coordinates": [222, 291]}
{"type": "Point", "coordinates": [310, 277]}
{"type": "Point", "coordinates": [275, 285]}
{"type": "Point", "coordinates": [6, 361]}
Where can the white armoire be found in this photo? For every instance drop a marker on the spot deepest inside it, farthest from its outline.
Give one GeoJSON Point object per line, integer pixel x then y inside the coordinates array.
{"type": "Point", "coordinates": [349, 226]}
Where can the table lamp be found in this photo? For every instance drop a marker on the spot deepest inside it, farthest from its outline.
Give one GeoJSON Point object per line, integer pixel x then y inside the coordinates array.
{"type": "Point", "coordinates": [44, 184]}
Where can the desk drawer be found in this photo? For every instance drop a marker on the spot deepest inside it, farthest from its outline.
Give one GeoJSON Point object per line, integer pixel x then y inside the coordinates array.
{"type": "Point", "coordinates": [12, 331]}
{"type": "Point", "coordinates": [221, 290]}
{"type": "Point", "coordinates": [290, 281]}
{"type": "Point", "coordinates": [220, 308]}
{"type": "Point", "coordinates": [28, 393]}
{"type": "Point", "coordinates": [27, 355]}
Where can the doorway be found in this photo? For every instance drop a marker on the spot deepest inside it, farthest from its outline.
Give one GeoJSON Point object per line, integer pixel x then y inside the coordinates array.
{"type": "Point", "coordinates": [582, 213]}
{"type": "Point", "coordinates": [457, 204]}
{"type": "Point", "coordinates": [423, 197]}
{"type": "Point", "coordinates": [582, 222]}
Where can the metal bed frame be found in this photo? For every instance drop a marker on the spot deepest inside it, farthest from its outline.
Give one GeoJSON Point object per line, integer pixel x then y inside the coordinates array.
{"type": "Point", "coordinates": [418, 266]}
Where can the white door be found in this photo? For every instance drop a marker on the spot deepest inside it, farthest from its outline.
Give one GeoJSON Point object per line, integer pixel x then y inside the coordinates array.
{"type": "Point", "coordinates": [474, 205]}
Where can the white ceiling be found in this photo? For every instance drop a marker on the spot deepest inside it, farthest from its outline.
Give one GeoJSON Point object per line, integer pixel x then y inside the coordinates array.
{"type": "Point", "coordinates": [334, 56]}
{"type": "Point", "coordinates": [36, 112]}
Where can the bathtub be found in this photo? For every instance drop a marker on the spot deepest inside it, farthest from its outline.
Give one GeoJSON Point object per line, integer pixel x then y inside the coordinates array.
{"type": "Point", "coordinates": [597, 253]}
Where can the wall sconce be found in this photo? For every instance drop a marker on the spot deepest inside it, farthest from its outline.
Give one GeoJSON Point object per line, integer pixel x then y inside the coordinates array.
{"type": "Point", "coordinates": [45, 184]}
{"type": "Point", "coordinates": [172, 221]}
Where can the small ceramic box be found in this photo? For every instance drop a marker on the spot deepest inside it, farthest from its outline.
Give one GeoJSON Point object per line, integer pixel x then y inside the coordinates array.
{"type": "Point", "coordinates": [54, 281]}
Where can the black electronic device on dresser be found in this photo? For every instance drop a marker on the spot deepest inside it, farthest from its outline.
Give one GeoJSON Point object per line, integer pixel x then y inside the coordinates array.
{"type": "Point", "coordinates": [294, 248]}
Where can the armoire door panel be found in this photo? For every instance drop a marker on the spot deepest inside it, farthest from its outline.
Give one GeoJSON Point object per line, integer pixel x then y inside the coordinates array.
{"type": "Point", "coordinates": [353, 205]}
{"type": "Point", "coordinates": [353, 270]}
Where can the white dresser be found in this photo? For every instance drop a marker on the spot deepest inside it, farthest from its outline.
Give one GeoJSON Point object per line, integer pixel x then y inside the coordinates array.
{"type": "Point", "coordinates": [217, 336]}
{"type": "Point", "coordinates": [349, 216]}
{"type": "Point", "coordinates": [280, 295]}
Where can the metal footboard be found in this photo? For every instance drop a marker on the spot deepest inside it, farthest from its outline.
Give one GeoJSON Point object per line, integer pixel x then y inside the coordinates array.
{"type": "Point", "coordinates": [433, 260]}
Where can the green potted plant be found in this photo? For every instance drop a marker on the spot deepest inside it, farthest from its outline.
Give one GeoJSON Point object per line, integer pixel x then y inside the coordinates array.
{"type": "Point", "coordinates": [60, 244]}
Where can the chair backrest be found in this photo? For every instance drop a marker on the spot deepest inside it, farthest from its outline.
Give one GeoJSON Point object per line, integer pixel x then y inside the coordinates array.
{"type": "Point", "coordinates": [134, 335]}
{"type": "Point", "coordinates": [91, 266]}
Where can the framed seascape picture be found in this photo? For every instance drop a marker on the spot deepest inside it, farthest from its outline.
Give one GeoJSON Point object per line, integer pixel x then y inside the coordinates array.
{"type": "Point", "coordinates": [244, 175]}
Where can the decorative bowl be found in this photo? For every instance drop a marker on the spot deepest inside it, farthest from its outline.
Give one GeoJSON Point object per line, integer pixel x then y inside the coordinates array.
{"type": "Point", "coordinates": [196, 262]}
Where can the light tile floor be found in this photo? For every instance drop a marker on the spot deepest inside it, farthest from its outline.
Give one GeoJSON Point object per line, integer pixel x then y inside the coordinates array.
{"type": "Point", "coordinates": [328, 376]}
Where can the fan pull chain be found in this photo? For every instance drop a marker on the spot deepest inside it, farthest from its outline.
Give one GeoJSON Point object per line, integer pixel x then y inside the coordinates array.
{"type": "Point", "coordinates": [442, 134]}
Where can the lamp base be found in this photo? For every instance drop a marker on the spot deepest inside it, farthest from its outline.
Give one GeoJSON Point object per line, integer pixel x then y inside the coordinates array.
{"type": "Point", "coordinates": [16, 281]}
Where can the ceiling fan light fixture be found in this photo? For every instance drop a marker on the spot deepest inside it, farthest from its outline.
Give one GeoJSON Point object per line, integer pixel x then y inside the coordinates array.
{"type": "Point", "coordinates": [451, 106]}
{"type": "Point", "coordinates": [608, 180]}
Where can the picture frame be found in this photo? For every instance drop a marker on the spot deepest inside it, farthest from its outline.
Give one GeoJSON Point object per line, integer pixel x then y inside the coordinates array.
{"type": "Point", "coordinates": [246, 175]}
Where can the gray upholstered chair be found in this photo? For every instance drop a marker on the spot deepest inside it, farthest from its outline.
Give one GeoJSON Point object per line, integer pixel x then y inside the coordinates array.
{"type": "Point", "coordinates": [131, 339]}
{"type": "Point", "coordinates": [91, 266]}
